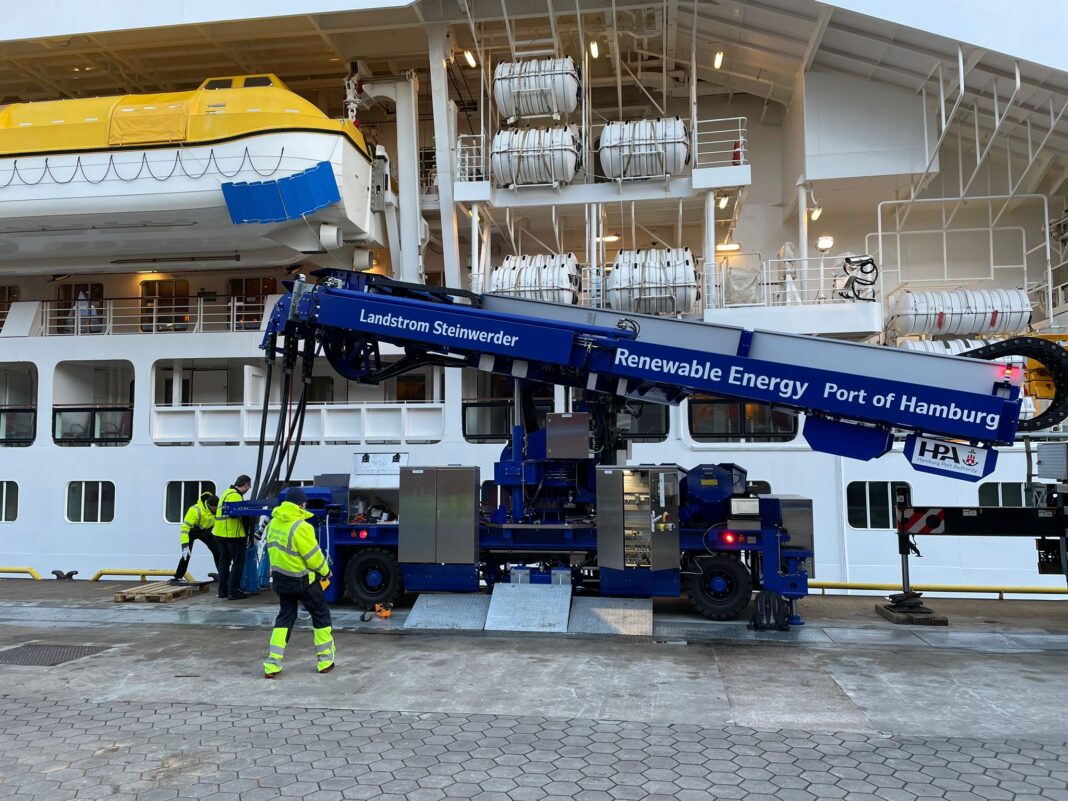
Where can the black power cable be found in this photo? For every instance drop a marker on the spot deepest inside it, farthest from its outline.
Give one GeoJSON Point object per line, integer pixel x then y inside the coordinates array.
{"type": "Point", "coordinates": [289, 356]}
{"type": "Point", "coordinates": [1051, 356]}
{"type": "Point", "coordinates": [272, 340]}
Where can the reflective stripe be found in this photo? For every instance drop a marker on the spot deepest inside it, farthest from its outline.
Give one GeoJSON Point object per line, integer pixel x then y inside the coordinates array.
{"type": "Point", "coordinates": [315, 550]}
{"type": "Point", "coordinates": [292, 533]}
{"type": "Point", "coordinates": [282, 548]}
{"type": "Point", "coordinates": [276, 650]}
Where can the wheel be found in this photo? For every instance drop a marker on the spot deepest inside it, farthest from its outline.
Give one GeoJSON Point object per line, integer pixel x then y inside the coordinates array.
{"type": "Point", "coordinates": [721, 589]}
{"type": "Point", "coordinates": [372, 577]}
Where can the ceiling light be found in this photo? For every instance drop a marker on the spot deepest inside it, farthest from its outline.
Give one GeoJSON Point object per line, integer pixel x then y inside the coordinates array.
{"type": "Point", "coordinates": [717, 62]}
{"type": "Point", "coordinates": [727, 247]}
{"type": "Point", "coordinates": [816, 213]}
{"type": "Point", "coordinates": [470, 59]}
{"type": "Point", "coordinates": [824, 243]}
{"type": "Point", "coordinates": [608, 238]}
{"type": "Point", "coordinates": [723, 201]}
{"type": "Point", "coordinates": [77, 69]}
{"type": "Point", "coordinates": [594, 52]}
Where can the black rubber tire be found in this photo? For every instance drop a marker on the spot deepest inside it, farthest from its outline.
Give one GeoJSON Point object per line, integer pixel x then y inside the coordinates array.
{"type": "Point", "coordinates": [728, 603]}
{"type": "Point", "coordinates": [357, 588]}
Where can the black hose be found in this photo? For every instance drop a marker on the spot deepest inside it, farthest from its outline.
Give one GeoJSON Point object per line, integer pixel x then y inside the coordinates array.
{"type": "Point", "coordinates": [302, 406]}
{"type": "Point", "coordinates": [279, 433]}
{"type": "Point", "coordinates": [271, 341]}
{"type": "Point", "coordinates": [1051, 356]}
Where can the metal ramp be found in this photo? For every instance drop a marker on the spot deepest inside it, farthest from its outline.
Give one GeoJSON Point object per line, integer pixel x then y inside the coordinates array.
{"type": "Point", "coordinates": [449, 611]}
{"type": "Point", "coordinates": [529, 607]}
{"type": "Point", "coordinates": [620, 616]}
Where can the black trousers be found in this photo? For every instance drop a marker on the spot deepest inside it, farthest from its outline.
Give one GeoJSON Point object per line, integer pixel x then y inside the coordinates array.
{"type": "Point", "coordinates": [198, 535]}
{"type": "Point", "coordinates": [292, 591]}
{"type": "Point", "coordinates": [231, 552]}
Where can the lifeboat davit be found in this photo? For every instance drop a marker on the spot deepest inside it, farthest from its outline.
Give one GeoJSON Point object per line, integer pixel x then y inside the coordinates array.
{"type": "Point", "coordinates": [239, 170]}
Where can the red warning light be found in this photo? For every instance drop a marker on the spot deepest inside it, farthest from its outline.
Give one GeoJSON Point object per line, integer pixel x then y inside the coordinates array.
{"type": "Point", "coordinates": [729, 537]}
{"type": "Point", "coordinates": [363, 533]}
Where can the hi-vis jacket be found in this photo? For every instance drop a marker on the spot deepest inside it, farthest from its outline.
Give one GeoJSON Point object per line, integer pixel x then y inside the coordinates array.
{"type": "Point", "coordinates": [292, 545]}
{"type": "Point", "coordinates": [229, 526]}
{"type": "Point", "coordinates": [197, 516]}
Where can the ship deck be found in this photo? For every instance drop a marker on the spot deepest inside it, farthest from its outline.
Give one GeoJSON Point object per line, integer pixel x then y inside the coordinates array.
{"type": "Point", "coordinates": [849, 706]}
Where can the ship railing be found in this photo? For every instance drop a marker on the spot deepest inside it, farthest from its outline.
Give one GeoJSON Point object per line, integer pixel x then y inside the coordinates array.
{"type": "Point", "coordinates": [205, 313]}
{"type": "Point", "coordinates": [720, 142]}
{"type": "Point", "coordinates": [743, 279]}
{"type": "Point", "coordinates": [471, 158]}
{"type": "Point", "coordinates": [361, 423]}
{"type": "Point", "coordinates": [18, 425]}
{"type": "Point", "coordinates": [99, 424]}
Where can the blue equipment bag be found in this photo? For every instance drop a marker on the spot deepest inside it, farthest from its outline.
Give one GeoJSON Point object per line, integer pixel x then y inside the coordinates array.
{"type": "Point", "coordinates": [250, 579]}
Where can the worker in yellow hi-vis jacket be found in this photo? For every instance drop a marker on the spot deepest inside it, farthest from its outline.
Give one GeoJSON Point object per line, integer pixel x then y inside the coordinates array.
{"type": "Point", "coordinates": [196, 527]}
{"type": "Point", "coordinates": [297, 566]}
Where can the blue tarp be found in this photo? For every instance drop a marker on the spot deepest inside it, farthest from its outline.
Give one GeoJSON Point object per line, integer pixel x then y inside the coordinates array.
{"type": "Point", "coordinates": [284, 199]}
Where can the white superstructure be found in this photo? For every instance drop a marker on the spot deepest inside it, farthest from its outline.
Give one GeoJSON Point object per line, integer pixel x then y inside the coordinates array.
{"type": "Point", "coordinates": [724, 162]}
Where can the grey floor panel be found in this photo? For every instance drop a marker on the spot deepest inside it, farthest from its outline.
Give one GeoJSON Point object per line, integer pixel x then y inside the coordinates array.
{"type": "Point", "coordinates": [457, 612]}
{"type": "Point", "coordinates": [626, 616]}
{"type": "Point", "coordinates": [529, 607]}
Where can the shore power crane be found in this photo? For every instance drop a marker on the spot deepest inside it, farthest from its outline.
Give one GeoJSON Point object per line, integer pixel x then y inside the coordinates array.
{"type": "Point", "coordinates": [560, 507]}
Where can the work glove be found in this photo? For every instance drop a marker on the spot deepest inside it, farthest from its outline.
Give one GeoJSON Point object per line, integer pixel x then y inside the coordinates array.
{"type": "Point", "coordinates": [186, 552]}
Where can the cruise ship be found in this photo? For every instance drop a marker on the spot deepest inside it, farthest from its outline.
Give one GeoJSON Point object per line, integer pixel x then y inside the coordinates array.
{"type": "Point", "coordinates": [882, 172]}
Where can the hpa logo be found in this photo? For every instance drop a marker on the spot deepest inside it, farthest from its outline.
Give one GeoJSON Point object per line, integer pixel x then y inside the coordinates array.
{"type": "Point", "coordinates": [959, 459]}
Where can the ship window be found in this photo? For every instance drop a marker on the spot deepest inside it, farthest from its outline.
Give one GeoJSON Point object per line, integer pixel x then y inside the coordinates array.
{"type": "Point", "coordinates": [8, 295]}
{"type": "Point", "coordinates": [250, 300]}
{"type": "Point", "coordinates": [219, 83]}
{"type": "Point", "coordinates": [487, 417]}
{"type": "Point", "coordinates": [411, 388]}
{"type": "Point", "coordinates": [869, 504]}
{"type": "Point", "coordinates": [1003, 493]}
{"type": "Point", "coordinates": [9, 501]}
{"type": "Point", "coordinates": [321, 389]}
{"type": "Point", "coordinates": [181, 495]}
{"type": "Point", "coordinates": [165, 305]}
{"type": "Point", "coordinates": [643, 422]}
{"type": "Point", "coordinates": [90, 501]}
{"type": "Point", "coordinates": [79, 309]}
{"type": "Point", "coordinates": [258, 80]}
{"type": "Point", "coordinates": [715, 419]}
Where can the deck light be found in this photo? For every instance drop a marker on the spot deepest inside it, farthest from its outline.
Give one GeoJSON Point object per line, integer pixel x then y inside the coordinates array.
{"type": "Point", "coordinates": [727, 247]}
{"type": "Point", "coordinates": [594, 52]}
{"type": "Point", "coordinates": [717, 62]}
{"type": "Point", "coordinates": [723, 201]}
{"type": "Point", "coordinates": [824, 243]}
{"type": "Point", "coordinates": [816, 213]}
{"type": "Point", "coordinates": [470, 59]}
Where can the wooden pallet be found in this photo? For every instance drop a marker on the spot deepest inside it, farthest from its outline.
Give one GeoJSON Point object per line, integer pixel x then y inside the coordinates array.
{"type": "Point", "coordinates": [160, 592]}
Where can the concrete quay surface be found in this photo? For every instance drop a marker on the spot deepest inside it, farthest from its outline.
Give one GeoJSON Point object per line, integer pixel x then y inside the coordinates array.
{"type": "Point", "coordinates": [174, 706]}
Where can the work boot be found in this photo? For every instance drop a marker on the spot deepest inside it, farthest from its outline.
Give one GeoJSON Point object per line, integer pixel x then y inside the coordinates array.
{"type": "Point", "coordinates": [327, 669]}
{"type": "Point", "coordinates": [269, 675]}
{"type": "Point", "coordinates": [239, 596]}
{"type": "Point", "coordinates": [177, 582]}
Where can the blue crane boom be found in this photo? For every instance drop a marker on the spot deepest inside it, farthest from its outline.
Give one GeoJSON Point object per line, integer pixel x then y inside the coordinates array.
{"type": "Point", "coordinates": [854, 395]}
